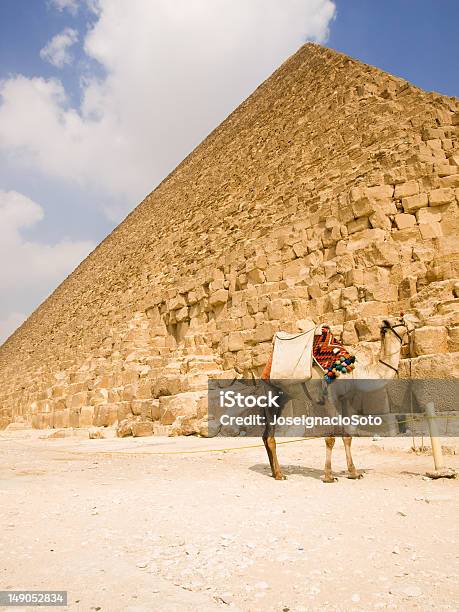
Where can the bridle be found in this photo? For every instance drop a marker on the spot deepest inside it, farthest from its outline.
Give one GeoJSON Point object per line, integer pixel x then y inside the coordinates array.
{"type": "Point", "coordinates": [388, 327]}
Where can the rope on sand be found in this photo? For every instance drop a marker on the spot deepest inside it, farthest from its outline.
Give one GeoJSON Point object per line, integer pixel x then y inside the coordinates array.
{"type": "Point", "coordinates": [147, 454]}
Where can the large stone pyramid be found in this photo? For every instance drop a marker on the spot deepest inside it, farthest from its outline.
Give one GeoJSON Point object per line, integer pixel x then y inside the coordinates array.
{"type": "Point", "coordinates": [331, 193]}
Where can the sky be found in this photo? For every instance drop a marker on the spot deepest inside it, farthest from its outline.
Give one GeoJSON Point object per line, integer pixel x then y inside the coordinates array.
{"type": "Point", "coordinates": [101, 99]}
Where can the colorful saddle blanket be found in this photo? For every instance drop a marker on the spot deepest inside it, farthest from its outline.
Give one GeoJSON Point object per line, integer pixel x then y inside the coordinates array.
{"type": "Point", "coordinates": [331, 356]}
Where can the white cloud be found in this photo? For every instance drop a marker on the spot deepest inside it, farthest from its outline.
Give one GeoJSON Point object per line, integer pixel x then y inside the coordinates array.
{"type": "Point", "coordinates": [62, 5]}
{"type": "Point", "coordinates": [29, 269]}
{"type": "Point", "coordinates": [57, 50]}
{"type": "Point", "coordinates": [174, 69]}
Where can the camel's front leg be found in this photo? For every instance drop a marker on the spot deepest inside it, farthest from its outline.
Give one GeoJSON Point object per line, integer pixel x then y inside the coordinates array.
{"type": "Point", "coordinates": [270, 445]}
{"type": "Point", "coordinates": [328, 476]}
{"type": "Point", "coordinates": [352, 472]}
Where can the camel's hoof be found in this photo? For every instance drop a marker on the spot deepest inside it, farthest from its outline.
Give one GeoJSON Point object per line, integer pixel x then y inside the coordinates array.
{"type": "Point", "coordinates": [355, 476]}
{"type": "Point", "coordinates": [328, 479]}
{"type": "Point", "coordinates": [279, 477]}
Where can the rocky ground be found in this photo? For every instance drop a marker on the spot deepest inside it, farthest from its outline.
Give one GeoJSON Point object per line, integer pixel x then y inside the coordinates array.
{"type": "Point", "coordinates": [125, 528]}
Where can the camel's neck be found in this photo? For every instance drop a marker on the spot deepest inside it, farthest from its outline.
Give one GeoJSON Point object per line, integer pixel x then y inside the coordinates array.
{"type": "Point", "coordinates": [389, 356]}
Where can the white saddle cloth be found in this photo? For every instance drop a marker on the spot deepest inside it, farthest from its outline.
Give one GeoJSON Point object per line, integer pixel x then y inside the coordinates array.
{"type": "Point", "coordinates": [292, 355]}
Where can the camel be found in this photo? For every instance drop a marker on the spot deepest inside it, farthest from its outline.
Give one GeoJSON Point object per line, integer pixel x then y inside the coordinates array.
{"type": "Point", "coordinates": [393, 334]}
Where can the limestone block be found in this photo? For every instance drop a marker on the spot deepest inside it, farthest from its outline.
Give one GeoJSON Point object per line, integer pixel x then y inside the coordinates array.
{"type": "Point", "coordinates": [236, 341]}
{"type": "Point", "coordinates": [86, 416]}
{"type": "Point", "coordinates": [444, 365]}
{"type": "Point", "coordinates": [430, 230]}
{"type": "Point", "coordinates": [453, 339]}
{"type": "Point", "coordinates": [444, 169]}
{"type": "Point", "coordinates": [77, 400]}
{"type": "Point", "coordinates": [176, 302]}
{"type": "Point", "coordinates": [354, 277]}
{"type": "Point", "coordinates": [404, 220]}
{"type": "Point", "coordinates": [407, 236]}
{"type": "Point", "coordinates": [295, 270]}
{"type": "Point", "coordinates": [123, 410]}
{"type": "Point", "coordinates": [105, 415]}
{"type": "Point", "coordinates": [428, 215]}
{"type": "Point", "coordinates": [450, 181]}
{"type": "Point", "coordinates": [407, 287]}
{"type": "Point", "coordinates": [382, 293]}
{"type": "Point", "coordinates": [368, 329]}
{"type": "Point", "coordinates": [60, 418]}
{"type": "Point", "coordinates": [255, 277]}
{"type": "Point", "coordinates": [124, 428]}
{"type": "Point", "coordinates": [279, 309]}
{"type": "Point", "coordinates": [219, 297]}
{"type": "Point", "coordinates": [430, 339]}
{"type": "Point", "coordinates": [363, 208]}
{"type": "Point", "coordinates": [350, 336]}
{"type": "Point", "coordinates": [441, 196]}
{"type": "Point", "coordinates": [274, 273]}
{"type": "Point", "coordinates": [142, 428]}
{"type": "Point", "coordinates": [181, 314]}
{"type": "Point", "coordinates": [168, 385]}
{"type": "Point", "coordinates": [191, 405]}
{"type": "Point", "coordinates": [333, 300]}
{"type": "Point", "coordinates": [330, 268]}
{"type": "Point", "coordinates": [349, 295]}
{"type": "Point", "coordinates": [379, 192]}
{"type": "Point", "coordinates": [98, 396]}
{"type": "Point", "coordinates": [412, 203]}
{"type": "Point", "coordinates": [265, 331]}
{"type": "Point", "coordinates": [358, 225]}
{"type": "Point", "coordinates": [379, 219]}
{"type": "Point", "coordinates": [372, 308]}
{"type": "Point", "coordinates": [365, 239]}
{"type": "Point", "coordinates": [300, 249]}
{"type": "Point", "coordinates": [404, 190]}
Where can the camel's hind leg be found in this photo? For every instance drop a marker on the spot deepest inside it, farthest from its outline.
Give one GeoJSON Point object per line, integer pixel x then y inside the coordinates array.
{"type": "Point", "coordinates": [352, 472]}
{"type": "Point", "coordinates": [328, 476]}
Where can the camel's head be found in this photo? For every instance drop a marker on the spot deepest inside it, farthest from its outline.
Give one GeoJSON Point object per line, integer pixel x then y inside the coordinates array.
{"type": "Point", "coordinates": [401, 327]}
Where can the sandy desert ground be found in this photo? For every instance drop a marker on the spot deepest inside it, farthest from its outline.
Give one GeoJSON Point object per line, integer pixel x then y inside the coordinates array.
{"type": "Point", "coordinates": [122, 527]}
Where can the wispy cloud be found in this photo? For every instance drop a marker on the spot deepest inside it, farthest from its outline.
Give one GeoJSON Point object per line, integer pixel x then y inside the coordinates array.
{"type": "Point", "coordinates": [57, 50]}
{"type": "Point", "coordinates": [65, 5]}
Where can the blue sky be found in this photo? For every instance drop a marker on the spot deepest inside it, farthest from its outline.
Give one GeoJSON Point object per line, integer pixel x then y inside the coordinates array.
{"type": "Point", "coordinates": [98, 102]}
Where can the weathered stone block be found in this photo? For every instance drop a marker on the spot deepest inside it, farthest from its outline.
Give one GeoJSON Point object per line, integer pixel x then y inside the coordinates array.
{"type": "Point", "coordinates": [441, 196]}
{"type": "Point", "coordinates": [86, 416]}
{"type": "Point", "coordinates": [142, 428]}
{"type": "Point", "coordinates": [358, 225]}
{"type": "Point", "coordinates": [404, 220]}
{"type": "Point", "coordinates": [255, 277]}
{"type": "Point", "coordinates": [430, 230]}
{"type": "Point", "coordinates": [265, 331]}
{"type": "Point", "coordinates": [404, 190]}
{"type": "Point", "coordinates": [219, 297]}
{"type": "Point", "coordinates": [407, 287]}
{"type": "Point", "coordinates": [236, 341]}
{"type": "Point", "coordinates": [430, 339]}
{"type": "Point", "coordinates": [414, 202]}
{"type": "Point", "coordinates": [443, 365]}
{"type": "Point", "coordinates": [428, 215]}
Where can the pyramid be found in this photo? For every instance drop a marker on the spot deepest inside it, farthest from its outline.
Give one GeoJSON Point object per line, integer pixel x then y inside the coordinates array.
{"type": "Point", "coordinates": [331, 193]}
